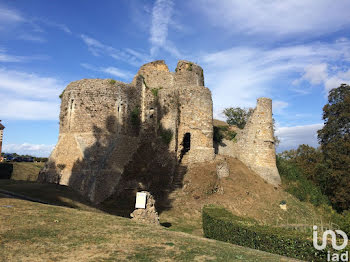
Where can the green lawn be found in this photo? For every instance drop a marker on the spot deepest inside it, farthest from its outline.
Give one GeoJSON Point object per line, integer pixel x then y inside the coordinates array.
{"type": "Point", "coordinates": [36, 232]}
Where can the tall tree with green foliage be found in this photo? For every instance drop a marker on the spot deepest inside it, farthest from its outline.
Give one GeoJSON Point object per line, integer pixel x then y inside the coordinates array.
{"type": "Point", "coordinates": [237, 116]}
{"type": "Point", "coordinates": [334, 138]}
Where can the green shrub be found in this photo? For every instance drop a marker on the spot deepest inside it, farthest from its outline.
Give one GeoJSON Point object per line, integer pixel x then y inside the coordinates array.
{"type": "Point", "coordinates": [61, 95]}
{"type": "Point", "coordinates": [221, 132]}
{"type": "Point", "coordinates": [296, 183]}
{"type": "Point", "coordinates": [112, 81]}
{"type": "Point", "coordinates": [155, 91]}
{"type": "Point", "coordinates": [231, 135]}
{"type": "Point", "coordinates": [221, 225]}
{"type": "Point", "coordinates": [166, 135]}
{"type": "Point", "coordinates": [135, 116]}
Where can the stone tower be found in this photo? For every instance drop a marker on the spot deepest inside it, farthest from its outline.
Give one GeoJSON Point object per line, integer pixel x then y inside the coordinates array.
{"type": "Point", "coordinates": [255, 144]}
{"type": "Point", "coordinates": [111, 130]}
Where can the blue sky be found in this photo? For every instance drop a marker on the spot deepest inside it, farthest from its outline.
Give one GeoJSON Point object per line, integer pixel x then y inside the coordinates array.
{"type": "Point", "coordinates": [291, 51]}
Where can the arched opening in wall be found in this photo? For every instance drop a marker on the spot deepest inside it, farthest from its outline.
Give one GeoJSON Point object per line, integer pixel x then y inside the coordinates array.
{"type": "Point", "coordinates": [186, 145]}
{"type": "Point", "coordinates": [151, 112]}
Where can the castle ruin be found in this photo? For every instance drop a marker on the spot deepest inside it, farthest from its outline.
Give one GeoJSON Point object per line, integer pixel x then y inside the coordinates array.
{"type": "Point", "coordinates": [116, 136]}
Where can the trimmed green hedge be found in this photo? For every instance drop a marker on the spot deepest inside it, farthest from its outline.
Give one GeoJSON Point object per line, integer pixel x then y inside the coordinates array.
{"type": "Point", "coordinates": [221, 225]}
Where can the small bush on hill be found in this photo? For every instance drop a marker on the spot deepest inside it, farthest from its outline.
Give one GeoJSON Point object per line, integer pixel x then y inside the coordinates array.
{"type": "Point", "coordinates": [221, 132]}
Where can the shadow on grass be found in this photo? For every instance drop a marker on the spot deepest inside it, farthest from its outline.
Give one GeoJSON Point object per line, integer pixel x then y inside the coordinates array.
{"type": "Point", "coordinates": [127, 156]}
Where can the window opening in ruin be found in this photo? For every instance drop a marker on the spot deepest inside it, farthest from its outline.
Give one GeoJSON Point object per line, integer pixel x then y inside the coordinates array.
{"type": "Point", "coordinates": [186, 145]}
{"type": "Point", "coordinates": [151, 112]}
{"type": "Point", "coordinates": [70, 113]}
{"type": "Point", "coordinates": [120, 122]}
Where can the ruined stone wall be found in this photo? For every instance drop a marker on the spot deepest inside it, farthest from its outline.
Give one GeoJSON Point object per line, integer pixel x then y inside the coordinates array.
{"type": "Point", "coordinates": [255, 145]}
{"type": "Point", "coordinates": [96, 137]}
{"type": "Point", "coordinates": [195, 112]}
{"type": "Point", "coordinates": [116, 136]}
{"type": "Point", "coordinates": [183, 105]}
{"type": "Point", "coordinates": [196, 118]}
{"type": "Point", "coordinates": [108, 129]}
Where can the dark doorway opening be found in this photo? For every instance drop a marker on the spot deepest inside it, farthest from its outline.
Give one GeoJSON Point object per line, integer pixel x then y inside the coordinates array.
{"type": "Point", "coordinates": [186, 145]}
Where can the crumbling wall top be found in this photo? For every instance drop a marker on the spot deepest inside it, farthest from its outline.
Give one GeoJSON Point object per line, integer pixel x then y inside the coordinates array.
{"type": "Point", "coordinates": [158, 65]}
{"type": "Point", "coordinates": [189, 72]}
{"type": "Point", "coordinates": [94, 84]}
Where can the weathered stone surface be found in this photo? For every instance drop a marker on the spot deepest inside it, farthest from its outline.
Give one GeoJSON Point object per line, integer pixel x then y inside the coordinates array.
{"type": "Point", "coordinates": [112, 133]}
{"type": "Point", "coordinates": [255, 145]}
{"type": "Point", "coordinates": [147, 215]}
{"type": "Point", "coordinates": [222, 169]}
{"type": "Point", "coordinates": [106, 125]}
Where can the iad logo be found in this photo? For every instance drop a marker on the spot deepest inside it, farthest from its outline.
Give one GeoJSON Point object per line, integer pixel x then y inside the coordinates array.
{"type": "Point", "coordinates": [335, 256]}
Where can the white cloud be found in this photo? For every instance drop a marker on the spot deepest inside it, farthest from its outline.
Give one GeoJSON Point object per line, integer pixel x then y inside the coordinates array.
{"type": "Point", "coordinates": [109, 70]}
{"type": "Point", "coordinates": [337, 79]}
{"type": "Point", "coordinates": [316, 74]}
{"type": "Point", "coordinates": [161, 20]}
{"type": "Point", "coordinates": [29, 85]}
{"type": "Point", "coordinates": [278, 18]}
{"type": "Point", "coordinates": [278, 106]}
{"type": "Point", "coordinates": [8, 16]}
{"type": "Point", "coordinates": [8, 58]}
{"type": "Point", "coordinates": [59, 26]}
{"type": "Point", "coordinates": [127, 55]}
{"type": "Point", "coordinates": [292, 137]}
{"type": "Point", "coordinates": [161, 15]}
{"type": "Point", "coordinates": [39, 150]}
{"type": "Point", "coordinates": [28, 96]}
{"type": "Point", "coordinates": [320, 74]}
{"type": "Point", "coordinates": [4, 57]}
{"type": "Point", "coordinates": [25, 109]}
{"type": "Point", "coordinates": [239, 75]}
{"type": "Point", "coordinates": [12, 20]}
{"type": "Point", "coordinates": [116, 72]}
{"type": "Point", "coordinates": [31, 37]}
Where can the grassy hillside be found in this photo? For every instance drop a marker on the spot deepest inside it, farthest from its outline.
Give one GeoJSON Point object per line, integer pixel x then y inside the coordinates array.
{"type": "Point", "coordinates": [36, 232]}
{"type": "Point", "coordinates": [243, 193]}
{"type": "Point", "coordinates": [27, 171]}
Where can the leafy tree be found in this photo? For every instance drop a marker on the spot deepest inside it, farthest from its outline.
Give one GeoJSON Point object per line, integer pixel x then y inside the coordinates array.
{"type": "Point", "coordinates": [334, 138]}
{"type": "Point", "coordinates": [237, 116]}
{"type": "Point", "coordinates": [306, 158]}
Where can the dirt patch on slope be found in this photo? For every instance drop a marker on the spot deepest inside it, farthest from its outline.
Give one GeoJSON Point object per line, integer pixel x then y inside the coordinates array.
{"type": "Point", "coordinates": [243, 192]}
